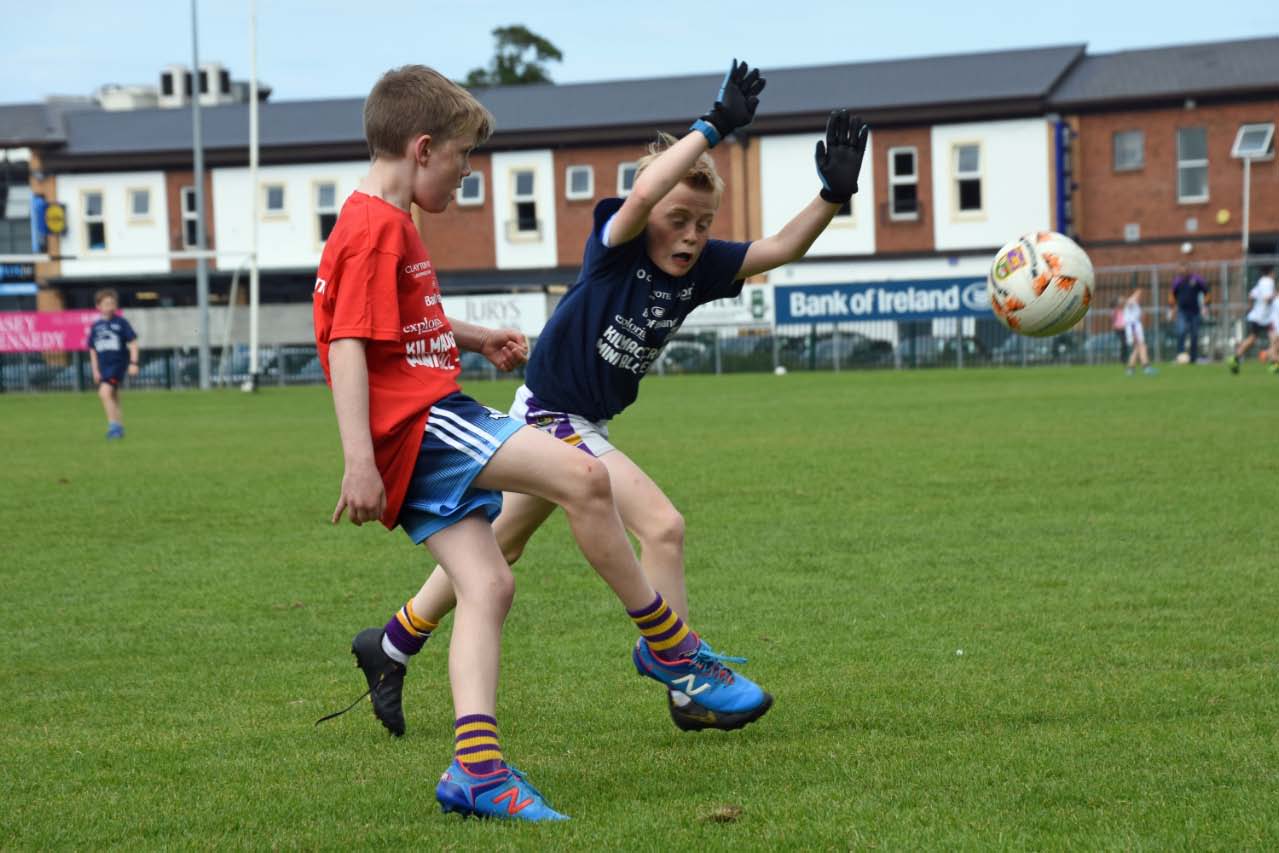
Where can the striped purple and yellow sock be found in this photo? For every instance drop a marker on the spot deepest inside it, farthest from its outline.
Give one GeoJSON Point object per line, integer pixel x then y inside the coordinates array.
{"type": "Point", "coordinates": [406, 633]}
{"type": "Point", "coordinates": [665, 632]}
{"type": "Point", "coordinates": [475, 744]}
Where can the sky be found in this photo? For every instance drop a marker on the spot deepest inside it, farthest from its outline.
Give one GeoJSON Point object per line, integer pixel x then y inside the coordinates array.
{"type": "Point", "coordinates": [336, 48]}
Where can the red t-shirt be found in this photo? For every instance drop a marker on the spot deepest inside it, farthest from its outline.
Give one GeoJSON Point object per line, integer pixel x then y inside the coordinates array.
{"type": "Point", "coordinates": [375, 282]}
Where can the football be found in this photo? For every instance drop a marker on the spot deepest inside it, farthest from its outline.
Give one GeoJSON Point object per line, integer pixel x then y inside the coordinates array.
{"type": "Point", "coordinates": [1040, 284]}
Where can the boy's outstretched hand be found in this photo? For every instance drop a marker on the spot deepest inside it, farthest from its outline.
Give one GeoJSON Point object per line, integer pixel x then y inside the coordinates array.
{"type": "Point", "coordinates": [839, 158]}
{"type": "Point", "coordinates": [507, 349]}
{"type": "Point", "coordinates": [734, 105]}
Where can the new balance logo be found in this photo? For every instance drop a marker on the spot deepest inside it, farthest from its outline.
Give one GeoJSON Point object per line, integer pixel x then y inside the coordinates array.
{"type": "Point", "coordinates": [512, 794]}
{"type": "Point", "coordinates": [685, 683]}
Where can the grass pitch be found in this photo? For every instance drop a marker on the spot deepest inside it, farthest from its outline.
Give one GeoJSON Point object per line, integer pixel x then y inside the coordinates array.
{"type": "Point", "coordinates": [1102, 550]}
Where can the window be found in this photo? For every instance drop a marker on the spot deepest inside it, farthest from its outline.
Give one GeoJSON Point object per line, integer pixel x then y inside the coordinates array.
{"type": "Point", "coordinates": [579, 183]}
{"type": "Point", "coordinates": [139, 204]}
{"type": "Point", "coordinates": [1192, 164]}
{"type": "Point", "coordinates": [968, 178]}
{"type": "Point", "coordinates": [1129, 150]}
{"type": "Point", "coordinates": [17, 201]}
{"type": "Point", "coordinates": [204, 82]}
{"type": "Point", "coordinates": [472, 191]}
{"type": "Point", "coordinates": [625, 178]}
{"type": "Point", "coordinates": [166, 84]}
{"type": "Point", "coordinates": [224, 81]}
{"type": "Point", "coordinates": [190, 219]}
{"type": "Point", "coordinates": [525, 203]}
{"type": "Point", "coordinates": [95, 229]}
{"type": "Point", "coordinates": [326, 208]}
{"type": "Point", "coordinates": [273, 199]}
{"type": "Point", "coordinates": [903, 183]}
{"type": "Point", "coordinates": [1254, 142]}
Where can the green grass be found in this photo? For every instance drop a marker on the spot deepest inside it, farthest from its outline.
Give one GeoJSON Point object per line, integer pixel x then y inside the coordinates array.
{"type": "Point", "coordinates": [177, 612]}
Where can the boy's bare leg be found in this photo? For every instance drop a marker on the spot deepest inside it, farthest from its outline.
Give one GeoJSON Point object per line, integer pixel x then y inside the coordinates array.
{"type": "Point", "coordinates": [533, 463]}
{"type": "Point", "coordinates": [644, 509]}
{"type": "Point", "coordinates": [656, 523]}
{"type": "Point", "coordinates": [520, 518]}
{"type": "Point", "coordinates": [469, 555]}
{"type": "Point", "coordinates": [110, 397]}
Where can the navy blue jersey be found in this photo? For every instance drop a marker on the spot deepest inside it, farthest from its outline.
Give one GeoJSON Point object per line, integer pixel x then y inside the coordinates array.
{"type": "Point", "coordinates": [108, 338]}
{"type": "Point", "coordinates": [1188, 290]}
{"type": "Point", "coordinates": [611, 325]}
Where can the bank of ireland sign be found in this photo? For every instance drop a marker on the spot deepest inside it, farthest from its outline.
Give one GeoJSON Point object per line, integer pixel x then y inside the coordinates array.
{"type": "Point", "coordinates": [918, 299]}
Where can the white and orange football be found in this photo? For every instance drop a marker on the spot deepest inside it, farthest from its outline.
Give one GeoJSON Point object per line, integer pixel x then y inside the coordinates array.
{"type": "Point", "coordinates": [1040, 284]}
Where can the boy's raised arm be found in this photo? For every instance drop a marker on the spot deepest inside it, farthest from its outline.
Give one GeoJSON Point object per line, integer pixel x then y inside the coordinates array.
{"type": "Point", "coordinates": [839, 162]}
{"type": "Point", "coordinates": [734, 108]}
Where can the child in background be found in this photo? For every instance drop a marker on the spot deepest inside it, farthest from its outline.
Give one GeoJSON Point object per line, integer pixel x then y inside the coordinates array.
{"type": "Point", "coordinates": [1135, 334]}
{"type": "Point", "coordinates": [109, 336]}
{"type": "Point", "coordinates": [1117, 323]}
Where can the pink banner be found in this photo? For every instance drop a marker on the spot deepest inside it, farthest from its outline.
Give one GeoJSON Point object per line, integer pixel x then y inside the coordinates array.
{"type": "Point", "coordinates": [45, 331]}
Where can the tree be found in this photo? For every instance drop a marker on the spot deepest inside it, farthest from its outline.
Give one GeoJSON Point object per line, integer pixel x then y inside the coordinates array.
{"type": "Point", "coordinates": [520, 57]}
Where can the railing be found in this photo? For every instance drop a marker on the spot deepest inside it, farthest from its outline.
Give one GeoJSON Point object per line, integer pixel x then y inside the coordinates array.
{"type": "Point", "coordinates": [179, 369]}
{"type": "Point", "coordinates": [759, 348]}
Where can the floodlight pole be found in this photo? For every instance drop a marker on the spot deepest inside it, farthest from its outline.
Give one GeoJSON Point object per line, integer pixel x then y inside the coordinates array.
{"type": "Point", "coordinates": [254, 280]}
{"type": "Point", "coordinates": [201, 263]}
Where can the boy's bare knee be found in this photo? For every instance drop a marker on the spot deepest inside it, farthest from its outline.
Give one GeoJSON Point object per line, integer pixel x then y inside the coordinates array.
{"type": "Point", "coordinates": [495, 590]}
{"type": "Point", "coordinates": [589, 486]}
{"type": "Point", "coordinates": [669, 529]}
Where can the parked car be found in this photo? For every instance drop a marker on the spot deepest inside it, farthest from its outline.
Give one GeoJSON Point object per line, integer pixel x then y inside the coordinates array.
{"type": "Point", "coordinates": [927, 350]}
{"type": "Point", "coordinates": [854, 350]}
{"type": "Point", "coordinates": [685, 357]}
{"type": "Point", "coordinates": [1020, 349]}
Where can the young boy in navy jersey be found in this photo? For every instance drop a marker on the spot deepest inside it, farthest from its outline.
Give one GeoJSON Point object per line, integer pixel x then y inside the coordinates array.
{"type": "Point", "coordinates": [421, 455]}
{"type": "Point", "coordinates": [649, 262]}
{"type": "Point", "coordinates": [109, 336]}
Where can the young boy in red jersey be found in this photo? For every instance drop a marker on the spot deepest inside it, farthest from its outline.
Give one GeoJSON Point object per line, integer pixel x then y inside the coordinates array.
{"type": "Point", "coordinates": [423, 456]}
{"type": "Point", "coordinates": [648, 262]}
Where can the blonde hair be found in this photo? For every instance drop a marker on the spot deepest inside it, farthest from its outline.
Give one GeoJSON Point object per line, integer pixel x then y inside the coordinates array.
{"type": "Point", "coordinates": [412, 100]}
{"type": "Point", "coordinates": [701, 175]}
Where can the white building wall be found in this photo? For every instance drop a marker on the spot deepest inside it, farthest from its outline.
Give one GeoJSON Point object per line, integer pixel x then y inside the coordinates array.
{"type": "Point", "coordinates": [1015, 164]}
{"type": "Point", "coordinates": [789, 181]}
{"type": "Point", "coordinates": [286, 240]}
{"type": "Point", "coordinates": [522, 251]}
{"type": "Point", "coordinates": [125, 235]}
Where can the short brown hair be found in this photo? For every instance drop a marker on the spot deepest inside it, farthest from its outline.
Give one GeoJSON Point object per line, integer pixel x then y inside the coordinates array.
{"type": "Point", "coordinates": [701, 175]}
{"type": "Point", "coordinates": [413, 100]}
{"type": "Point", "coordinates": [105, 293]}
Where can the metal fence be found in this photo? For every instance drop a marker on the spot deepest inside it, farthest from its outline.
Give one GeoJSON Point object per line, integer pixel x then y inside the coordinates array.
{"type": "Point", "coordinates": [952, 342]}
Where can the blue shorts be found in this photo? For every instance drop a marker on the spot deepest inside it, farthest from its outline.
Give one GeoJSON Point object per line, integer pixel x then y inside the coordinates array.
{"type": "Point", "coordinates": [461, 437]}
{"type": "Point", "coordinates": [112, 374]}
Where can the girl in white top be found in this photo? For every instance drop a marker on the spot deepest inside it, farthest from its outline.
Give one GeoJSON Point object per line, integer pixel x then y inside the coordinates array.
{"type": "Point", "coordinates": [1135, 335]}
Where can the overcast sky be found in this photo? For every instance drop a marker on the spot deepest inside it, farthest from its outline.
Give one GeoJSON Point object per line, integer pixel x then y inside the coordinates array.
{"type": "Point", "coordinates": [334, 48]}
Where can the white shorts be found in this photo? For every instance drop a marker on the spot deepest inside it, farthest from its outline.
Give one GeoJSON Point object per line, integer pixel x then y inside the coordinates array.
{"type": "Point", "coordinates": [588, 436]}
{"type": "Point", "coordinates": [1134, 334]}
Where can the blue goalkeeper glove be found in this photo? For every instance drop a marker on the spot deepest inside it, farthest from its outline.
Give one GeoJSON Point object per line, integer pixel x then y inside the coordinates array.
{"type": "Point", "coordinates": [839, 158]}
{"type": "Point", "coordinates": [734, 105]}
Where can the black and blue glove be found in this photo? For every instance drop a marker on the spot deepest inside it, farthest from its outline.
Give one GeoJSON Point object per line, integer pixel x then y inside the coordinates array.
{"type": "Point", "coordinates": [839, 158]}
{"type": "Point", "coordinates": [734, 105]}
